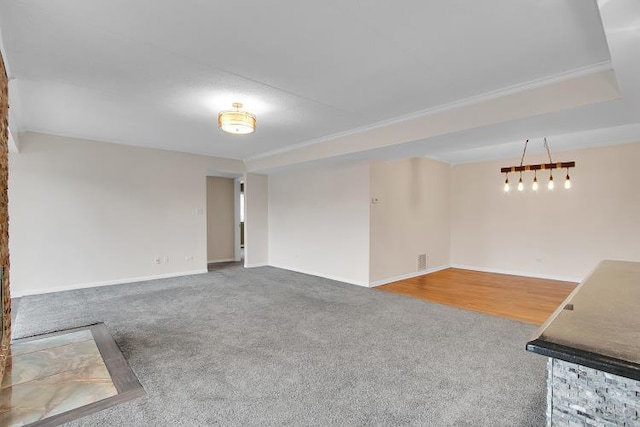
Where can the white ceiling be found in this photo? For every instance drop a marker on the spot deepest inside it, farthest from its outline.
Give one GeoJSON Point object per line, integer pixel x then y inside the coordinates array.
{"type": "Point", "coordinates": [155, 73]}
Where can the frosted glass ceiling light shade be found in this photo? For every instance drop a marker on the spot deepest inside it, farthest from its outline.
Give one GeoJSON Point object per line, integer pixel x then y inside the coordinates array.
{"type": "Point", "coordinates": [236, 121]}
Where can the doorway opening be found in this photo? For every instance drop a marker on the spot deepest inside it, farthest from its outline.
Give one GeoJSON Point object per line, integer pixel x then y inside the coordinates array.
{"type": "Point", "coordinates": [225, 222]}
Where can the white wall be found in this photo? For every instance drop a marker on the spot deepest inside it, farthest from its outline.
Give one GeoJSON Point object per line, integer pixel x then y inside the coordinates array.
{"type": "Point", "coordinates": [256, 224]}
{"type": "Point", "coordinates": [221, 221]}
{"type": "Point", "coordinates": [411, 217]}
{"type": "Point", "coordinates": [559, 234]}
{"type": "Point", "coordinates": [319, 221]}
{"type": "Point", "coordinates": [86, 213]}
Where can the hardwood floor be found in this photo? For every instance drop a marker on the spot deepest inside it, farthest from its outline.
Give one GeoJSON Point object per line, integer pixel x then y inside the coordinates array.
{"type": "Point", "coordinates": [515, 297]}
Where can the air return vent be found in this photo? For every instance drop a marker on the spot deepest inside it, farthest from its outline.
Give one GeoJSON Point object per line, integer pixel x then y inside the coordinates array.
{"type": "Point", "coordinates": [422, 262]}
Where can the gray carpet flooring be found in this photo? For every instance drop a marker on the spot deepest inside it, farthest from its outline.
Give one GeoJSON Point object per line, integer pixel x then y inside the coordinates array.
{"type": "Point", "coordinates": [264, 346]}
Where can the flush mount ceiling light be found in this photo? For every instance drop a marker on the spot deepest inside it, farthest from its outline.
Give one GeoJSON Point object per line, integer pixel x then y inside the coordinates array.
{"type": "Point", "coordinates": [535, 168]}
{"type": "Point", "coordinates": [236, 121]}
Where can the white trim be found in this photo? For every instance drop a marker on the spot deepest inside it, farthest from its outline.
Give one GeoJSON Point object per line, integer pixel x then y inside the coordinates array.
{"type": "Point", "coordinates": [13, 143]}
{"type": "Point", "coordinates": [408, 275]}
{"type": "Point", "coordinates": [3, 52]}
{"type": "Point", "coordinates": [213, 261]}
{"type": "Point", "coordinates": [325, 276]}
{"type": "Point", "coordinates": [519, 273]}
{"type": "Point", "coordinates": [104, 283]}
{"type": "Point", "coordinates": [476, 99]}
{"type": "Point", "coordinates": [221, 172]}
{"type": "Point", "coordinates": [236, 220]}
{"type": "Point", "coordinates": [263, 264]}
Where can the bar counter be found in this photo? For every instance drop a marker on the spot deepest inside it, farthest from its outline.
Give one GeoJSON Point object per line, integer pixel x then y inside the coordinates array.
{"type": "Point", "coordinates": [593, 344]}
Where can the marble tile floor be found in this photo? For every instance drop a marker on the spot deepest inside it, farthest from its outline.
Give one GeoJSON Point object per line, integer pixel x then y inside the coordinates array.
{"type": "Point", "coordinates": [49, 378]}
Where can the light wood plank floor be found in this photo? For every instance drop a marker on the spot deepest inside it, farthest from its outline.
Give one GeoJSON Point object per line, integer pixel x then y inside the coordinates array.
{"type": "Point", "coordinates": [515, 297]}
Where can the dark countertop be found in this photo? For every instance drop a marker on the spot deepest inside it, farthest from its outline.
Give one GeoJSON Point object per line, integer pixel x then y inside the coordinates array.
{"type": "Point", "coordinates": [598, 325]}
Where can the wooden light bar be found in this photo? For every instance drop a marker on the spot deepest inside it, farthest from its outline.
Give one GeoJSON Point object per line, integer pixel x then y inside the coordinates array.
{"type": "Point", "coordinates": [542, 166]}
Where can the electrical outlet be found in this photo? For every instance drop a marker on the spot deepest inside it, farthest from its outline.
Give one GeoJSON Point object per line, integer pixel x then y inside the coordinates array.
{"type": "Point", "coordinates": [166, 259]}
{"type": "Point", "coordinates": [188, 258]}
{"type": "Point", "coordinates": [157, 260]}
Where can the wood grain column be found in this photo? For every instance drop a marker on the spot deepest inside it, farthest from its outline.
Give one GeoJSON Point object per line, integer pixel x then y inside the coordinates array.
{"type": "Point", "coordinates": [4, 215]}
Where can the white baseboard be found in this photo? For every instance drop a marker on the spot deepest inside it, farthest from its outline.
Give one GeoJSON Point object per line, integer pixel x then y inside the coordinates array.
{"type": "Point", "coordinates": [260, 264]}
{"type": "Point", "coordinates": [326, 276]}
{"type": "Point", "coordinates": [519, 273]}
{"type": "Point", "coordinates": [39, 291]}
{"type": "Point", "coordinates": [408, 276]}
{"type": "Point", "coordinates": [213, 261]}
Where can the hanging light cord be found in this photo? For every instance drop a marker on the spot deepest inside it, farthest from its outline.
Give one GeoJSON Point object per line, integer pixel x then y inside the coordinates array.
{"type": "Point", "coordinates": [524, 152]}
{"type": "Point", "coordinates": [546, 146]}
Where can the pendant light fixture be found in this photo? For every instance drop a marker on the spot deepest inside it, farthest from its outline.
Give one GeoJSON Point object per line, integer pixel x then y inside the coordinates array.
{"type": "Point", "coordinates": [236, 121]}
{"type": "Point", "coordinates": [535, 168]}
{"type": "Point", "coordinates": [520, 183]}
{"type": "Point", "coordinates": [567, 181]}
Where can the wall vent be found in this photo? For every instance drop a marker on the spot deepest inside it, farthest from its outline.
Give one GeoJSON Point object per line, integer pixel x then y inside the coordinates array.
{"type": "Point", "coordinates": [422, 262]}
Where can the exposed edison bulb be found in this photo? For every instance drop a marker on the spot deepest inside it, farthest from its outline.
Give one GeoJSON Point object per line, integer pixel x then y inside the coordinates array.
{"type": "Point", "coordinates": [506, 185]}
{"type": "Point", "coordinates": [551, 184]}
{"type": "Point", "coordinates": [520, 185]}
{"type": "Point", "coordinates": [567, 182]}
{"type": "Point", "coordinates": [534, 187]}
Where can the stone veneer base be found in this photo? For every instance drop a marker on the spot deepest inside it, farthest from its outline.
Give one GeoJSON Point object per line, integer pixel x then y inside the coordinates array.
{"type": "Point", "coordinates": [581, 396]}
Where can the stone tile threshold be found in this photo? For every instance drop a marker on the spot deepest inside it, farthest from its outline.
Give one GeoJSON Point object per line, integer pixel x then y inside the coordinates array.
{"type": "Point", "coordinates": [55, 378]}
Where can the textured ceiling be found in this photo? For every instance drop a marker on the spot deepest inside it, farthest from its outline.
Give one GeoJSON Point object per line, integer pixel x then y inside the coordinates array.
{"type": "Point", "coordinates": [155, 73]}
